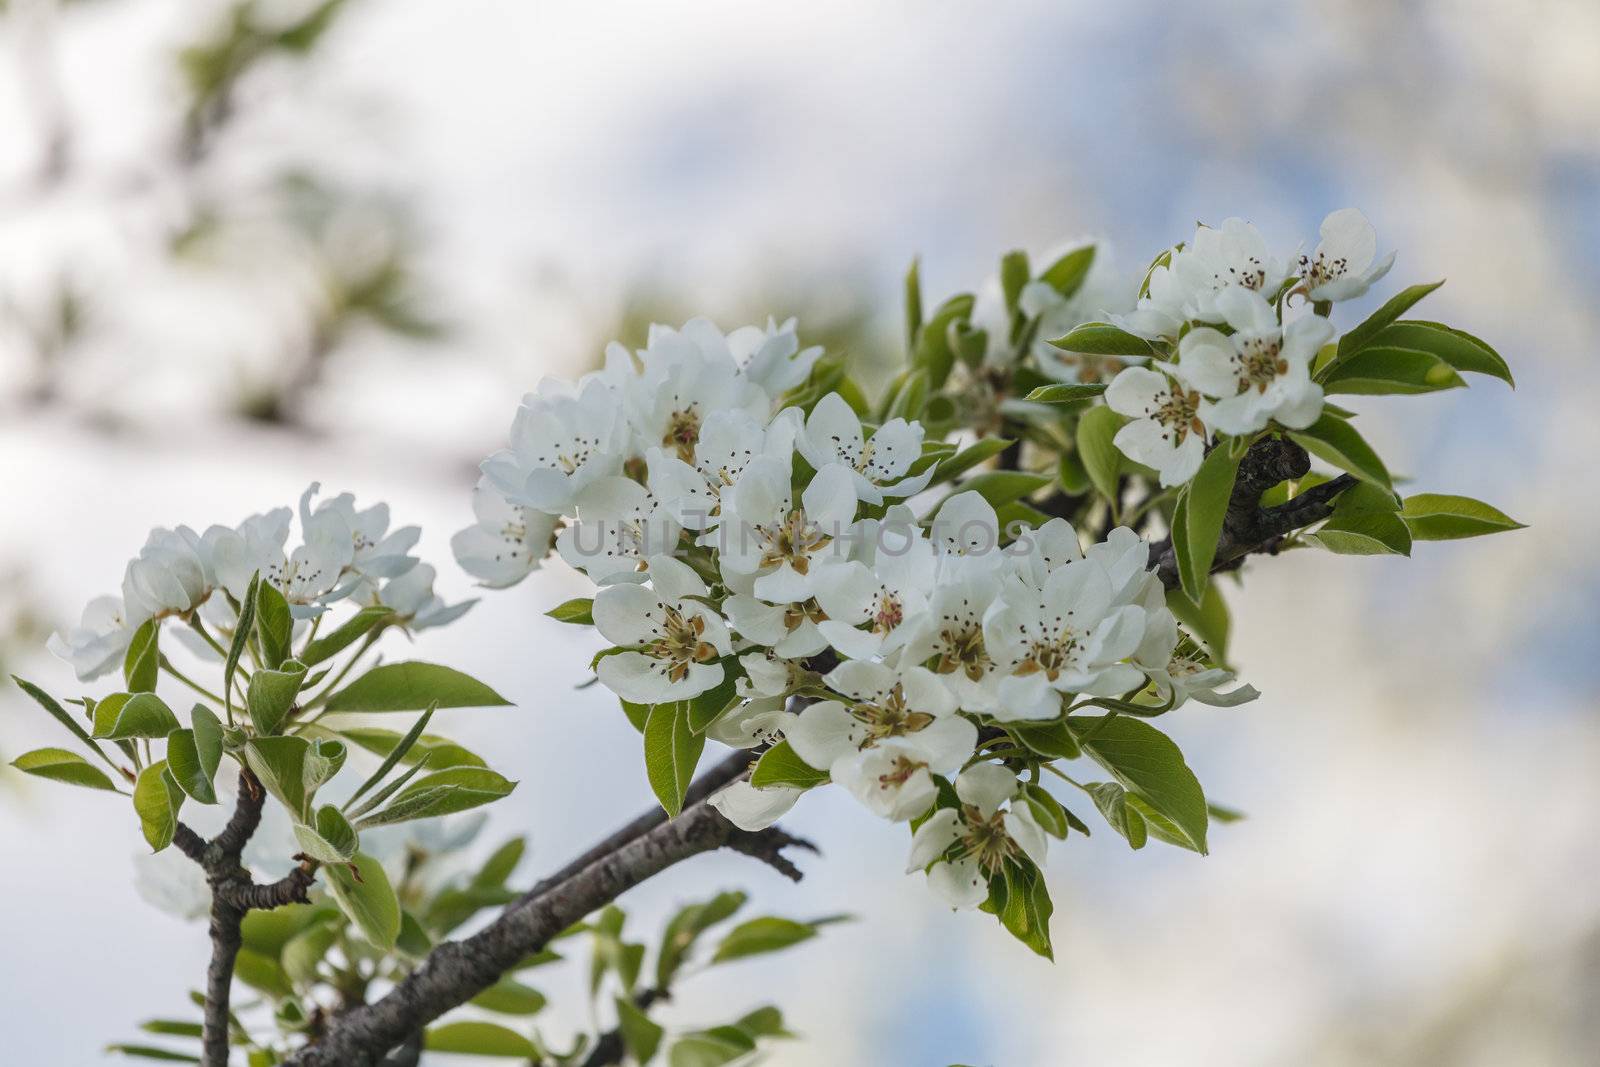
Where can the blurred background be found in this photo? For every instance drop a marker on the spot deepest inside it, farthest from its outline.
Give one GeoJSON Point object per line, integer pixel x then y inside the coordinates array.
{"type": "Point", "coordinates": [248, 245]}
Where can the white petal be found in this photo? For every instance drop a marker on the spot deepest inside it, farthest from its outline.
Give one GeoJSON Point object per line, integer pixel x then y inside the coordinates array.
{"type": "Point", "coordinates": [986, 786]}
{"type": "Point", "coordinates": [825, 732]}
{"type": "Point", "coordinates": [941, 830]}
{"type": "Point", "coordinates": [960, 883]}
{"type": "Point", "coordinates": [753, 809]}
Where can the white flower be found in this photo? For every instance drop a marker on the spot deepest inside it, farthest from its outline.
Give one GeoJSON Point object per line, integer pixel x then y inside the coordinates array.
{"type": "Point", "coordinates": [1181, 671]}
{"type": "Point", "coordinates": [620, 527]}
{"type": "Point", "coordinates": [1166, 432]}
{"type": "Point", "coordinates": [1231, 256]}
{"type": "Point", "coordinates": [507, 543]}
{"type": "Point", "coordinates": [772, 358]}
{"type": "Point", "coordinates": [411, 597]}
{"type": "Point", "coordinates": [764, 535]}
{"type": "Point", "coordinates": [789, 630]}
{"type": "Point", "coordinates": [751, 723]}
{"type": "Point", "coordinates": [768, 674]}
{"type": "Point", "coordinates": [1162, 310]}
{"type": "Point", "coordinates": [752, 809]}
{"type": "Point", "coordinates": [1260, 373]}
{"type": "Point", "coordinates": [878, 465]}
{"type": "Point", "coordinates": [560, 442]}
{"type": "Point", "coordinates": [1069, 638]}
{"type": "Point", "coordinates": [1342, 266]}
{"type": "Point", "coordinates": [951, 633]}
{"type": "Point", "coordinates": [170, 576]}
{"type": "Point", "coordinates": [966, 525]}
{"type": "Point", "coordinates": [375, 552]}
{"type": "Point", "coordinates": [1042, 551]}
{"type": "Point", "coordinates": [894, 778]}
{"type": "Point", "coordinates": [962, 848]}
{"type": "Point", "coordinates": [311, 577]}
{"type": "Point", "coordinates": [674, 642]}
{"type": "Point", "coordinates": [885, 597]}
{"type": "Point", "coordinates": [688, 374]}
{"type": "Point", "coordinates": [99, 641]}
{"type": "Point", "coordinates": [884, 702]}
{"type": "Point", "coordinates": [728, 441]}
{"type": "Point", "coordinates": [254, 546]}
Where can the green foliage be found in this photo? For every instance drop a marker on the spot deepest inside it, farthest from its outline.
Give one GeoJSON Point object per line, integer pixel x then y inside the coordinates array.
{"type": "Point", "coordinates": [781, 765]}
{"type": "Point", "coordinates": [441, 793]}
{"type": "Point", "coordinates": [1147, 762]}
{"type": "Point", "coordinates": [1197, 522]}
{"type": "Point", "coordinates": [413, 686]}
{"type": "Point", "coordinates": [671, 752]}
{"type": "Point", "coordinates": [142, 662]}
{"type": "Point", "coordinates": [1102, 339]}
{"type": "Point", "coordinates": [766, 934]}
{"type": "Point", "coordinates": [362, 624]}
{"type": "Point", "coordinates": [1065, 394]}
{"type": "Point", "coordinates": [479, 1039]}
{"type": "Point", "coordinates": [274, 625]}
{"type": "Point", "coordinates": [123, 716]}
{"type": "Point", "coordinates": [1440, 517]}
{"type": "Point", "coordinates": [1360, 336]}
{"type": "Point", "coordinates": [365, 895]}
{"type": "Point", "coordinates": [578, 610]}
{"type": "Point", "coordinates": [1101, 459]}
{"type": "Point", "coordinates": [188, 769]}
{"type": "Point", "coordinates": [1333, 439]}
{"type": "Point", "coordinates": [156, 800]}
{"type": "Point", "coordinates": [272, 693]}
{"type": "Point", "coordinates": [640, 1034]}
{"type": "Point", "coordinates": [59, 765]}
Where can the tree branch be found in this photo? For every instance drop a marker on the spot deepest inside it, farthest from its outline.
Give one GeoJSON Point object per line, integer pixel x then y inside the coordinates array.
{"type": "Point", "coordinates": [458, 970]}
{"type": "Point", "coordinates": [1248, 527]}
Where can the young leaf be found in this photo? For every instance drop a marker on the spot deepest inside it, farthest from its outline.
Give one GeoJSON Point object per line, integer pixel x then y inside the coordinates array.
{"type": "Point", "coordinates": [781, 765]}
{"type": "Point", "coordinates": [952, 466]}
{"type": "Point", "coordinates": [671, 752]}
{"type": "Point", "coordinates": [412, 686]}
{"type": "Point", "coordinates": [272, 693]}
{"type": "Point", "coordinates": [1362, 335]}
{"type": "Point", "coordinates": [441, 752]}
{"type": "Point", "coordinates": [348, 633]}
{"type": "Point", "coordinates": [510, 997]}
{"type": "Point", "coordinates": [1066, 275]}
{"type": "Point", "coordinates": [1103, 339]}
{"type": "Point", "coordinates": [579, 610]}
{"type": "Point", "coordinates": [1382, 370]}
{"type": "Point", "coordinates": [480, 1039]}
{"type": "Point", "coordinates": [279, 762]}
{"type": "Point", "coordinates": [1336, 441]}
{"type": "Point", "coordinates": [1014, 274]}
{"type": "Point", "coordinates": [60, 765]}
{"type": "Point", "coordinates": [640, 1034]}
{"type": "Point", "coordinates": [207, 739]}
{"type": "Point", "coordinates": [143, 661]}
{"type": "Point", "coordinates": [1441, 517]}
{"type": "Point", "coordinates": [241, 639]}
{"type": "Point", "coordinates": [913, 291]}
{"type": "Point", "coordinates": [1112, 800]}
{"type": "Point", "coordinates": [274, 624]}
{"type": "Point", "coordinates": [766, 934]}
{"type": "Point", "coordinates": [1065, 394]}
{"type": "Point", "coordinates": [1208, 620]}
{"type": "Point", "coordinates": [710, 1048]}
{"type": "Point", "coordinates": [156, 799]}
{"type": "Point", "coordinates": [1047, 810]}
{"type": "Point", "coordinates": [59, 714]}
{"type": "Point", "coordinates": [1205, 505]}
{"type": "Point", "coordinates": [1100, 457]}
{"type": "Point", "coordinates": [686, 926]}
{"type": "Point", "coordinates": [1147, 762]}
{"type": "Point", "coordinates": [707, 707]}
{"type": "Point", "coordinates": [122, 716]}
{"type": "Point", "coordinates": [331, 839]}
{"type": "Point", "coordinates": [1461, 350]}
{"type": "Point", "coordinates": [1365, 534]}
{"type": "Point", "coordinates": [368, 900]}
{"type": "Point", "coordinates": [183, 756]}
{"type": "Point", "coordinates": [442, 793]}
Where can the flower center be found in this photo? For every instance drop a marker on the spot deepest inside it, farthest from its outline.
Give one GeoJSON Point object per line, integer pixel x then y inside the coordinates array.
{"type": "Point", "coordinates": [899, 772]}
{"type": "Point", "coordinates": [985, 839]}
{"type": "Point", "coordinates": [681, 643]}
{"type": "Point", "coordinates": [964, 651]}
{"type": "Point", "coordinates": [1322, 270]}
{"type": "Point", "coordinates": [793, 539]}
{"type": "Point", "coordinates": [1178, 413]}
{"type": "Point", "coordinates": [795, 614]}
{"type": "Point", "coordinates": [1260, 362]}
{"type": "Point", "coordinates": [683, 432]}
{"type": "Point", "coordinates": [889, 614]}
{"type": "Point", "coordinates": [890, 717]}
{"type": "Point", "coordinates": [1050, 655]}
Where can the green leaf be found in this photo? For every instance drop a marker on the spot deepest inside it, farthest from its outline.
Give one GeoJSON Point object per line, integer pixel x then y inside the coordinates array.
{"type": "Point", "coordinates": [262, 972]}
{"type": "Point", "coordinates": [708, 707]}
{"type": "Point", "coordinates": [1053, 740]}
{"type": "Point", "coordinates": [303, 953]}
{"type": "Point", "coordinates": [510, 997]}
{"type": "Point", "coordinates": [188, 770]}
{"type": "Point", "coordinates": [1461, 350]}
{"type": "Point", "coordinates": [671, 752]}
{"type": "Point", "coordinates": [578, 610]}
{"type": "Point", "coordinates": [367, 899]}
{"type": "Point", "coordinates": [1019, 897]}
{"type": "Point", "coordinates": [640, 1034]}
{"type": "Point", "coordinates": [142, 663]}
{"type": "Point", "coordinates": [765, 1021]}
{"type": "Point", "coordinates": [913, 292]}
{"type": "Point", "coordinates": [686, 926]}
{"type": "Point", "coordinates": [1199, 519]}
{"type": "Point", "coordinates": [274, 624]}
{"type": "Point", "coordinates": [1337, 442]}
{"type": "Point", "coordinates": [1208, 620]}
{"type": "Point", "coordinates": [439, 751]}
{"type": "Point", "coordinates": [480, 1039]}
{"type": "Point", "coordinates": [951, 467]}
{"type": "Point", "coordinates": [330, 840]}
{"type": "Point", "coordinates": [710, 1048]}
{"type": "Point", "coordinates": [1047, 810]}
{"type": "Point", "coordinates": [500, 864]}
{"type": "Point", "coordinates": [349, 632]}
{"type": "Point", "coordinates": [122, 716]}
{"type": "Point", "coordinates": [156, 799]}
{"type": "Point", "coordinates": [1367, 534]}
{"type": "Point", "coordinates": [1014, 274]}
{"type": "Point", "coordinates": [1100, 457]}
{"type": "Point", "coordinates": [1441, 517]}
{"type": "Point", "coordinates": [60, 765]}
{"type": "Point", "coordinates": [766, 934]}
{"type": "Point", "coordinates": [1103, 339]}
{"type": "Point", "coordinates": [59, 714]}
{"type": "Point", "coordinates": [271, 694]}
{"type": "Point", "coordinates": [1147, 762]}
{"type": "Point", "coordinates": [279, 762]}
{"type": "Point", "coordinates": [933, 353]}
{"type": "Point", "coordinates": [241, 639]}
{"type": "Point", "coordinates": [1112, 800]}
{"type": "Point", "coordinates": [395, 754]}
{"type": "Point", "coordinates": [1066, 274]}
{"type": "Point", "coordinates": [1382, 370]}
{"type": "Point", "coordinates": [1065, 394]}
{"type": "Point", "coordinates": [150, 1052]}
{"type": "Point", "coordinates": [412, 686]}
{"type": "Point", "coordinates": [781, 765]}
{"type": "Point", "coordinates": [442, 793]}
{"type": "Point", "coordinates": [1398, 305]}
{"type": "Point", "coordinates": [207, 739]}
{"type": "Point", "coordinates": [173, 1027]}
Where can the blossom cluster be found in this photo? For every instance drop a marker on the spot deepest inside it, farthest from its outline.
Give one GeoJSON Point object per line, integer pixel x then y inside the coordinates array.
{"type": "Point", "coordinates": [1220, 307]}
{"type": "Point", "coordinates": [768, 557]}
{"type": "Point", "coordinates": [345, 554]}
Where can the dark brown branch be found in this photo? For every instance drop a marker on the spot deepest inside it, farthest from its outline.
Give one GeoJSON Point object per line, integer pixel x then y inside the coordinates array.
{"type": "Point", "coordinates": [458, 970]}
{"type": "Point", "coordinates": [1248, 527]}
{"type": "Point", "coordinates": [610, 1048]}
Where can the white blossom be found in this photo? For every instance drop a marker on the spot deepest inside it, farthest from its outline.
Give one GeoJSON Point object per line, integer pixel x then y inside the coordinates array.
{"type": "Point", "coordinates": [692, 491]}
{"type": "Point", "coordinates": [753, 809]}
{"type": "Point", "coordinates": [881, 702]}
{"type": "Point", "coordinates": [1342, 267]}
{"type": "Point", "coordinates": [560, 442]}
{"type": "Point", "coordinates": [764, 535]}
{"type": "Point", "coordinates": [1166, 432]}
{"type": "Point", "coordinates": [878, 465]}
{"type": "Point", "coordinates": [884, 597]}
{"type": "Point", "coordinates": [620, 526]}
{"type": "Point", "coordinates": [1230, 256]}
{"type": "Point", "coordinates": [98, 643]}
{"type": "Point", "coordinates": [507, 543]}
{"type": "Point", "coordinates": [1261, 372]}
{"type": "Point", "coordinates": [961, 848]}
{"type": "Point", "coordinates": [170, 576]}
{"type": "Point", "coordinates": [687, 375]}
{"type": "Point", "coordinates": [672, 643]}
{"type": "Point", "coordinates": [411, 597]}
{"type": "Point", "coordinates": [772, 358]}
